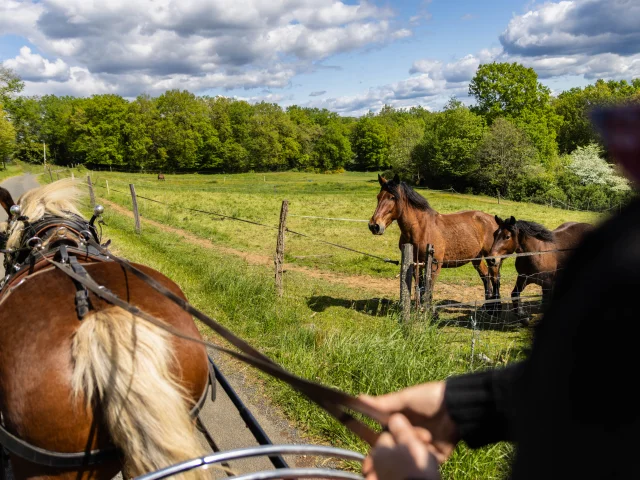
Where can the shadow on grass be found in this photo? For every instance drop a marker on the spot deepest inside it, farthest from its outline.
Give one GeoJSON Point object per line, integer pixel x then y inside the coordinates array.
{"type": "Point", "coordinates": [377, 307]}
{"type": "Point", "coordinates": [495, 317]}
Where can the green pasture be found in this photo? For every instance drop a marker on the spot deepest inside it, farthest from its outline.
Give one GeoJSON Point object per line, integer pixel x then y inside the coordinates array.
{"type": "Point", "coordinates": [258, 197]}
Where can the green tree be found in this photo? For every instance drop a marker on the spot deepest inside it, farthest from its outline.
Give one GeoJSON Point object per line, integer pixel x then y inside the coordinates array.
{"type": "Point", "coordinates": [504, 156]}
{"type": "Point", "coordinates": [98, 125]}
{"type": "Point", "coordinates": [332, 150]}
{"type": "Point", "coordinates": [574, 105]}
{"type": "Point", "coordinates": [7, 138]}
{"type": "Point", "coordinates": [370, 144]}
{"type": "Point", "coordinates": [447, 153]}
{"type": "Point", "coordinates": [10, 85]}
{"type": "Point", "coordinates": [408, 135]}
{"type": "Point", "coordinates": [512, 91]}
{"type": "Point", "coordinates": [26, 116]}
{"type": "Point", "coordinates": [187, 137]}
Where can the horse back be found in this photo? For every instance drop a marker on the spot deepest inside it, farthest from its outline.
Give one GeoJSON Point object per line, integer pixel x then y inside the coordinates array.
{"type": "Point", "coordinates": [467, 234]}
{"type": "Point", "coordinates": [38, 321]}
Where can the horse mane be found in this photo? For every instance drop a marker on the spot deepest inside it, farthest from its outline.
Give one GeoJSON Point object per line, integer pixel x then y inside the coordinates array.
{"type": "Point", "coordinates": [533, 229]}
{"type": "Point", "coordinates": [413, 197]}
{"type": "Point", "coordinates": [59, 199]}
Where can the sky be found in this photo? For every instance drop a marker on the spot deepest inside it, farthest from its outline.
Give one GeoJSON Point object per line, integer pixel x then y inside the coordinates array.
{"type": "Point", "coordinates": [350, 56]}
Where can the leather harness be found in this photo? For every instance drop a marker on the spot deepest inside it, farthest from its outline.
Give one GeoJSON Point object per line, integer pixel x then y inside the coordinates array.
{"type": "Point", "coordinates": [335, 402]}
{"type": "Point", "coordinates": [67, 241]}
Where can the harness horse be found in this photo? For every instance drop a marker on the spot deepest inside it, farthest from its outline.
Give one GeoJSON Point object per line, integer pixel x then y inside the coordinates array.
{"type": "Point", "coordinates": [102, 368]}
{"type": "Point", "coordinates": [88, 388]}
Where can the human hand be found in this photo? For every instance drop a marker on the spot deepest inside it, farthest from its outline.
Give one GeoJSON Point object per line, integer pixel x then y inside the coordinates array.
{"type": "Point", "coordinates": [423, 405]}
{"type": "Point", "coordinates": [402, 453]}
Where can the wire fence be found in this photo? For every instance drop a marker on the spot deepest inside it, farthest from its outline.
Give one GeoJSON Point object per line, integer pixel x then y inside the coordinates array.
{"type": "Point", "coordinates": [458, 307]}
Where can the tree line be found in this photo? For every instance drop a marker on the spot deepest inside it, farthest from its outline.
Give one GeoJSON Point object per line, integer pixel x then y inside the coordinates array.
{"type": "Point", "coordinates": [517, 141]}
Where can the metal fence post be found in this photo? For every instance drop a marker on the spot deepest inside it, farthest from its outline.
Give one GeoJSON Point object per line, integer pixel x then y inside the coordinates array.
{"type": "Point", "coordinates": [406, 275]}
{"type": "Point", "coordinates": [134, 201]}
{"type": "Point", "coordinates": [279, 260]}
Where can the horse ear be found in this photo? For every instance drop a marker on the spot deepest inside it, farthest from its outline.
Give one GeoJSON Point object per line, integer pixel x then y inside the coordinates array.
{"type": "Point", "coordinates": [6, 200]}
{"type": "Point", "coordinates": [382, 180]}
{"type": "Point", "coordinates": [499, 221]}
{"type": "Point", "coordinates": [512, 220]}
{"type": "Point", "coordinates": [396, 178]}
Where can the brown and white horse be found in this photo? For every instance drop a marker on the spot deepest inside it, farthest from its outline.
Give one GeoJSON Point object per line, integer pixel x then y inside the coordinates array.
{"type": "Point", "coordinates": [71, 384]}
{"type": "Point", "coordinates": [520, 236]}
{"type": "Point", "coordinates": [456, 237]}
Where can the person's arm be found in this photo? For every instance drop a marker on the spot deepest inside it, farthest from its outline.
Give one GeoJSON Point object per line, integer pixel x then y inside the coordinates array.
{"type": "Point", "coordinates": [482, 404]}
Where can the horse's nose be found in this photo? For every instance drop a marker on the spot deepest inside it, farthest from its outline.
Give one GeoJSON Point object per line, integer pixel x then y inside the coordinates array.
{"type": "Point", "coordinates": [374, 227]}
{"type": "Point", "coordinates": [491, 262]}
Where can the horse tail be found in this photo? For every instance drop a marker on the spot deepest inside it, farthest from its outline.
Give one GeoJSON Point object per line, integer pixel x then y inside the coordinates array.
{"type": "Point", "coordinates": [126, 361]}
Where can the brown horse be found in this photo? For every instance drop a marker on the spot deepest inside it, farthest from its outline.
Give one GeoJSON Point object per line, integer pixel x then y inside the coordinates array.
{"type": "Point", "coordinates": [75, 382]}
{"type": "Point", "coordinates": [519, 236]}
{"type": "Point", "coordinates": [456, 237]}
{"type": "Point", "coordinates": [161, 176]}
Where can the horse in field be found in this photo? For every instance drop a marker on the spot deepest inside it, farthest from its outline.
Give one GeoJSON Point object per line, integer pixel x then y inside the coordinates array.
{"type": "Point", "coordinates": [520, 236]}
{"type": "Point", "coordinates": [161, 176]}
{"type": "Point", "coordinates": [77, 374]}
{"type": "Point", "coordinates": [456, 237]}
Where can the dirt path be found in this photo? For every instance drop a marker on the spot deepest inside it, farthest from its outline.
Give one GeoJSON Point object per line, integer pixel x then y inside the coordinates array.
{"type": "Point", "coordinates": [388, 287]}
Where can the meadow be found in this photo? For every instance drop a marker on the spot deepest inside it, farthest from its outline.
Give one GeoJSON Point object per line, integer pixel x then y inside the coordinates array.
{"type": "Point", "coordinates": [337, 322]}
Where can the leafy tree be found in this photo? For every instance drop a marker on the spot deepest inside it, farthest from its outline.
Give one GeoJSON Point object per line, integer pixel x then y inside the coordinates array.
{"type": "Point", "coordinates": [512, 91]}
{"type": "Point", "coordinates": [447, 152]}
{"type": "Point", "coordinates": [187, 138]}
{"type": "Point", "coordinates": [370, 144]}
{"type": "Point", "coordinates": [332, 149]}
{"type": "Point", "coordinates": [7, 138]}
{"type": "Point", "coordinates": [574, 106]}
{"type": "Point", "coordinates": [507, 89]}
{"type": "Point", "coordinates": [10, 85]}
{"type": "Point", "coordinates": [408, 136]}
{"type": "Point", "coordinates": [505, 155]}
{"type": "Point", "coordinates": [26, 115]}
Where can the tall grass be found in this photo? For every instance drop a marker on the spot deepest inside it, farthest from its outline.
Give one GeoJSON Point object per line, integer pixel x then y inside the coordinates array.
{"type": "Point", "coordinates": [346, 348]}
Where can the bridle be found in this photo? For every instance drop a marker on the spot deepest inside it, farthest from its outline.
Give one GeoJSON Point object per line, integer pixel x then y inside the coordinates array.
{"type": "Point", "coordinates": [335, 402]}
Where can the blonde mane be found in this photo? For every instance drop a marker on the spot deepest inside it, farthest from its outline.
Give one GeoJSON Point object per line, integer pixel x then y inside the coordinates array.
{"type": "Point", "coordinates": [58, 198]}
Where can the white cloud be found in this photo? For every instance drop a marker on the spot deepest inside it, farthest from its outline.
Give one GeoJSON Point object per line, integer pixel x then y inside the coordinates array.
{"type": "Point", "coordinates": [224, 44]}
{"type": "Point", "coordinates": [33, 66]}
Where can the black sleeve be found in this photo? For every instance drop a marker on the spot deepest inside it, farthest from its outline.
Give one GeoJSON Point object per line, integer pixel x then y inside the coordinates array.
{"type": "Point", "coordinates": [482, 404]}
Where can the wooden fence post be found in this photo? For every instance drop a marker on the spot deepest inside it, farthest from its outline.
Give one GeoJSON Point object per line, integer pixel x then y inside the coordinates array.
{"type": "Point", "coordinates": [134, 201]}
{"type": "Point", "coordinates": [498, 197]}
{"type": "Point", "coordinates": [279, 260]}
{"type": "Point", "coordinates": [108, 191]}
{"type": "Point", "coordinates": [406, 275]}
{"type": "Point", "coordinates": [50, 174]}
{"type": "Point", "coordinates": [92, 197]}
{"type": "Point", "coordinates": [72, 176]}
{"type": "Point", "coordinates": [428, 268]}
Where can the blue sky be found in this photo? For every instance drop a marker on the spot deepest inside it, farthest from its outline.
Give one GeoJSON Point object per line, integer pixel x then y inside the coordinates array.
{"type": "Point", "coordinates": [349, 56]}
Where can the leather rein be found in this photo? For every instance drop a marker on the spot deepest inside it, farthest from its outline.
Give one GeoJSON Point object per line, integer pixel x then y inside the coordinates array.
{"type": "Point", "coordinates": [335, 402]}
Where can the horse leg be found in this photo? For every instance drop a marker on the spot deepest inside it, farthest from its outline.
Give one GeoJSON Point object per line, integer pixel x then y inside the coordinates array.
{"type": "Point", "coordinates": [521, 282]}
{"type": "Point", "coordinates": [483, 271]}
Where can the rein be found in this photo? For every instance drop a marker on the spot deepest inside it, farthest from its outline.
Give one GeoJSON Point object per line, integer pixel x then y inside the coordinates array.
{"type": "Point", "coordinates": [334, 401]}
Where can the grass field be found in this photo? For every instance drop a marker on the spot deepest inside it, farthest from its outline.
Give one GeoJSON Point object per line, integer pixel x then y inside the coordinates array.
{"type": "Point", "coordinates": [334, 324]}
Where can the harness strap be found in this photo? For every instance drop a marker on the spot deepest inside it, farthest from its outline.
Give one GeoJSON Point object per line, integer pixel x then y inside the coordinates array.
{"type": "Point", "coordinates": [332, 400]}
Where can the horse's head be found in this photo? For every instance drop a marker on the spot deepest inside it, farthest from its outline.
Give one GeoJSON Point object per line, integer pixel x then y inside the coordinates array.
{"type": "Point", "coordinates": [388, 208]}
{"type": "Point", "coordinates": [505, 239]}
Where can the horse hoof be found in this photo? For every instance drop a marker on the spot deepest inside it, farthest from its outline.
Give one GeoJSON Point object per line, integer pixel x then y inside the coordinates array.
{"type": "Point", "coordinates": [524, 322]}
